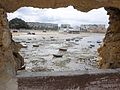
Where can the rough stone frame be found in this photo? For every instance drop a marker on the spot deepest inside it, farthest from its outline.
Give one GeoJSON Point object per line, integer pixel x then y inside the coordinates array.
{"type": "Point", "coordinates": [11, 61]}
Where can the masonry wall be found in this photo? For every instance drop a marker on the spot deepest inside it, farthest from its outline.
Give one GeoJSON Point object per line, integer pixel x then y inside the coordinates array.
{"type": "Point", "coordinates": [76, 80]}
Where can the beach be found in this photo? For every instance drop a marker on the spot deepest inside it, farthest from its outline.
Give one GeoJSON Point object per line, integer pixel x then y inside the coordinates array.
{"type": "Point", "coordinates": [76, 51]}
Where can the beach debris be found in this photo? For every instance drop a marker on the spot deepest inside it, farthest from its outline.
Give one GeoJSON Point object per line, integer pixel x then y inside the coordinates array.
{"type": "Point", "coordinates": [57, 55]}
{"type": "Point", "coordinates": [43, 37]}
{"type": "Point", "coordinates": [51, 37]}
{"type": "Point", "coordinates": [27, 42]}
{"type": "Point", "coordinates": [14, 31]}
{"type": "Point", "coordinates": [62, 49]}
{"type": "Point", "coordinates": [80, 38]}
{"type": "Point", "coordinates": [29, 33]}
{"type": "Point", "coordinates": [29, 39]}
{"type": "Point", "coordinates": [67, 39]}
{"type": "Point", "coordinates": [98, 41]}
{"type": "Point", "coordinates": [89, 41]}
{"type": "Point", "coordinates": [23, 41]}
{"type": "Point", "coordinates": [33, 33]}
{"type": "Point", "coordinates": [35, 45]}
{"type": "Point", "coordinates": [76, 40]}
{"type": "Point", "coordinates": [24, 46]}
{"type": "Point", "coordinates": [92, 45]}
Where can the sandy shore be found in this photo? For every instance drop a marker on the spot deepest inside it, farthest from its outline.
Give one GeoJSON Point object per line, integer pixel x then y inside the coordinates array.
{"type": "Point", "coordinates": [38, 53]}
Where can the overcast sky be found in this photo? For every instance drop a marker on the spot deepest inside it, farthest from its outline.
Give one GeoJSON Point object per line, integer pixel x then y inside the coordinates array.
{"type": "Point", "coordinates": [67, 15]}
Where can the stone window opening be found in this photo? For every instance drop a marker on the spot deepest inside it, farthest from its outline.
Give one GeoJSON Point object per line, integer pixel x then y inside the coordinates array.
{"type": "Point", "coordinates": [109, 52]}
{"type": "Point", "coordinates": [32, 45]}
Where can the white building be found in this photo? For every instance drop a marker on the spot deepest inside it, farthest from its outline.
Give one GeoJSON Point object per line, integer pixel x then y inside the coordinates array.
{"type": "Point", "coordinates": [93, 28]}
{"type": "Point", "coordinates": [67, 28]}
{"type": "Point", "coordinates": [64, 27]}
{"type": "Point", "coordinates": [42, 26]}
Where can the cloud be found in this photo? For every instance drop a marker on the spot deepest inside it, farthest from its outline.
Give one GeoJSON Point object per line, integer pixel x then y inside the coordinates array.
{"type": "Point", "coordinates": [67, 15]}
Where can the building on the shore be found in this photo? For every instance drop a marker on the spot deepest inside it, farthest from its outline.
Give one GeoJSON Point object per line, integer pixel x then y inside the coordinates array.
{"type": "Point", "coordinates": [64, 27]}
{"type": "Point", "coordinates": [67, 28]}
{"type": "Point", "coordinates": [74, 30]}
{"type": "Point", "coordinates": [42, 26]}
{"type": "Point", "coordinates": [95, 28]}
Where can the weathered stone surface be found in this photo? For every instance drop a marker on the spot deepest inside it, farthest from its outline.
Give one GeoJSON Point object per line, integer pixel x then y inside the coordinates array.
{"type": "Point", "coordinates": [10, 60]}
{"type": "Point", "coordinates": [83, 5]}
{"type": "Point", "coordinates": [75, 80]}
{"type": "Point", "coordinates": [6, 63]}
{"type": "Point", "coordinates": [10, 85]}
{"type": "Point", "coordinates": [6, 39]}
{"type": "Point", "coordinates": [110, 51]}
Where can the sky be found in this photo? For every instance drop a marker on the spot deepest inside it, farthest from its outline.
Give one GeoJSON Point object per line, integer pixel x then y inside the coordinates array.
{"type": "Point", "coordinates": [59, 16]}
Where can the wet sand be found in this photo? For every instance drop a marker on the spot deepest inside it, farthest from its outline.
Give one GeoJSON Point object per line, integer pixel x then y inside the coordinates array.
{"type": "Point", "coordinates": [38, 52]}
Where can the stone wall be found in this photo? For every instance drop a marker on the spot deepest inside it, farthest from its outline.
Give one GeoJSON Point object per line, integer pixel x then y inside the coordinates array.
{"type": "Point", "coordinates": [82, 5]}
{"type": "Point", "coordinates": [10, 60]}
{"type": "Point", "coordinates": [75, 80]}
{"type": "Point", "coordinates": [110, 51]}
{"type": "Point", "coordinates": [7, 68]}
